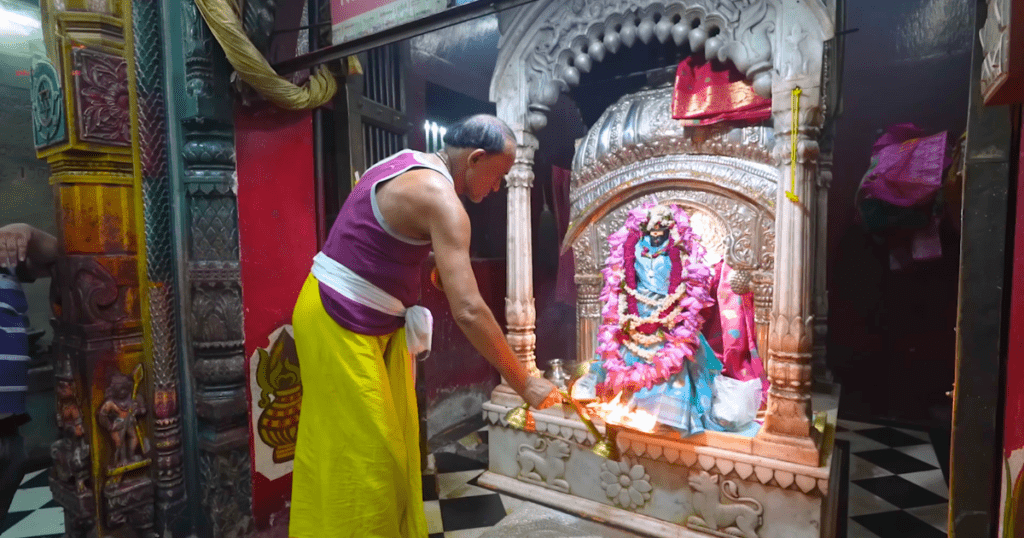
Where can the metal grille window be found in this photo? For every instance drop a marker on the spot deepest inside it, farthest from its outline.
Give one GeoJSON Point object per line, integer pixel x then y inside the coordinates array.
{"type": "Point", "coordinates": [380, 143]}
{"type": "Point", "coordinates": [382, 78]}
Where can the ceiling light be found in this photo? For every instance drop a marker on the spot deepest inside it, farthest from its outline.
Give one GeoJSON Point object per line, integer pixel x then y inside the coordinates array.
{"type": "Point", "coordinates": [17, 23]}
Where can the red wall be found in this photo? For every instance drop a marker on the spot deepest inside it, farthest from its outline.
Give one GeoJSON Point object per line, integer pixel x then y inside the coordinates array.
{"type": "Point", "coordinates": [277, 236]}
{"type": "Point", "coordinates": [1013, 419]}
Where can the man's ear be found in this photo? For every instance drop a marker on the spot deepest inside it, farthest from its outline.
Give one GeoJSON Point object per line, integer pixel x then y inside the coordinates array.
{"type": "Point", "coordinates": [476, 155]}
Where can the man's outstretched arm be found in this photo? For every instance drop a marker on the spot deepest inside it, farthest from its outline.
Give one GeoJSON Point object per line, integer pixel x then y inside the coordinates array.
{"type": "Point", "coordinates": [450, 235]}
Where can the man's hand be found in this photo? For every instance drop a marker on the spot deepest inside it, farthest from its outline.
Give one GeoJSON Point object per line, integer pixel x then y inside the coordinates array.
{"type": "Point", "coordinates": [14, 239]}
{"type": "Point", "coordinates": [28, 250]}
{"type": "Point", "coordinates": [540, 393]}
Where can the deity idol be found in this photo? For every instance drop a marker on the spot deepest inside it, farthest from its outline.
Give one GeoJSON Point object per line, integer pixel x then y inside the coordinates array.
{"type": "Point", "coordinates": [651, 352]}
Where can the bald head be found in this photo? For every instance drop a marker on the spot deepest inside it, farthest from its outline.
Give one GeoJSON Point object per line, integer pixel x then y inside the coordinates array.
{"type": "Point", "coordinates": [481, 131]}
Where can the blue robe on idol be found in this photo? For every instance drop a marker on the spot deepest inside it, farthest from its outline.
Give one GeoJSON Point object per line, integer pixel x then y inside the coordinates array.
{"type": "Point", "coordinates": [684, 401]}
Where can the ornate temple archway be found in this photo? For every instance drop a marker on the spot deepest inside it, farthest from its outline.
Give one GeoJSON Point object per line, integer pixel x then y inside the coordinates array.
{"type": "Point", "coordinates": [781, 48]}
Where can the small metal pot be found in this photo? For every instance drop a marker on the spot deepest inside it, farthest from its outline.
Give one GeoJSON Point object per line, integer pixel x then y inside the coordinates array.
{"type": "Point", "coordinates": [557, 374]}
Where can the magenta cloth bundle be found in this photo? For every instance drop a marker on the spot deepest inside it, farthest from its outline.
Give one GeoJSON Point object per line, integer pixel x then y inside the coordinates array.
{"type": "Point", "coordinates": [909, 166]}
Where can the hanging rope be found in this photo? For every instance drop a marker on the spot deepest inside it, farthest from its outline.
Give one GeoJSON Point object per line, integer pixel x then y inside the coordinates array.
{"type": "Point", "coordinates": [222, 16]}
{"type": "Point", "coordinates": [794, 131]}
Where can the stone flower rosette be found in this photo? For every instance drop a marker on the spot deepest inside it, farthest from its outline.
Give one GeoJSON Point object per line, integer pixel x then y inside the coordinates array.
{"type": "Point", "coordinates": [626, 483]}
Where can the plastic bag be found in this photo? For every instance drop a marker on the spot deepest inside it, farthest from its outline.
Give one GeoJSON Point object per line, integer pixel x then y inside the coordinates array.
{"type": "Point", "coordinates": [736, 402]}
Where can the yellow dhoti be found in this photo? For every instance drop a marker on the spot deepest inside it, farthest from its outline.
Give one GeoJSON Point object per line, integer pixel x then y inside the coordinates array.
{"type": "Point", "coordinates": [357, 455]}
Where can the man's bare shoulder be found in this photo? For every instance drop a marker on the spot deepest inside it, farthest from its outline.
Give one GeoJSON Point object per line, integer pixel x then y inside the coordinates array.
{"type": "Point", "coordinates": [425, 189]}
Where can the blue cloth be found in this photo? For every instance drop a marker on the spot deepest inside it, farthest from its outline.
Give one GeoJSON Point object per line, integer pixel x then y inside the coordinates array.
{"type": "Point", "coordinates": [684, 402]}
{"type": "Point", "coordinates": [13, 346]}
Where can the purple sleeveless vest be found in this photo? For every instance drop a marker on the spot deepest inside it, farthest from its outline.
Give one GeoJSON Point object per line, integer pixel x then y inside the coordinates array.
{"type": "Point", "coordinates": [362, 241]}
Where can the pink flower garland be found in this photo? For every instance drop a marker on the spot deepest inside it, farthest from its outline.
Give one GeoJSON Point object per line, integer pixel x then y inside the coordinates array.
{"type": "Point", "coordinates": [681, 336]}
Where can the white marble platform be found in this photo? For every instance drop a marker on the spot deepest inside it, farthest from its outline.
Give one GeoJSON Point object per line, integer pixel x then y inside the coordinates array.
{"type": "Point", "coordinates": [711, 485]}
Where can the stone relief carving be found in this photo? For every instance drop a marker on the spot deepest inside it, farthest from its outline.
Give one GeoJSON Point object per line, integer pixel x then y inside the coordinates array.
{"type": "Point", "coordinates": [995, 42]}
{"type": "Point", "coordinates": [119, 414]}
{"type": "Point", "coordinates": [626, 483]}
{"type": "Point", "coordinates": [742, 516]}
{"type": "Point", "coordinates": [71, 451]}
{"type": "Point", "coordinates": [48, 122]}
{"type": "Point", "coordinates": [795, 63]}
{"type": "Point", "coordinates": [101, 87]}
{"type": "Point", "coordinates": [92, 296]}
{"type": "Point", "coordinates": [726, 464]}
{"type": "Point", "coordinates": [544, 463]}
{"type": "Point", "coordinates": [258, 20]}
{"type": "Point", "coordinates": [215, 227]}
{"type": "Point", "coordinates": [130, 502]}
{"type": "Point", "coordinates": [751, 49]}
{"type": "Point", "coordinates": [198, 48]}
{"type": "Point", "coordinates": [227, 492]}
{"type": "Point", "coordinates": [217, 314]}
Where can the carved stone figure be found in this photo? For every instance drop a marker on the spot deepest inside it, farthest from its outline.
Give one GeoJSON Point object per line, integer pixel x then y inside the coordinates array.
{"type": "Point", "coordinates": [119, 413]}
{"type": "Point", "coordinates": [718, 518]}
{"type": "Point", "coordinates": [71, 452]}
{"type": "Point", "coordinates": [544, 464]}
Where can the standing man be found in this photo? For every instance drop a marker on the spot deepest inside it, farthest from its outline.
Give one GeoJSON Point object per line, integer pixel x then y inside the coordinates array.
{"type": "Point", "coordinates": [356, 471]}
{"type": "Point", "coordinates": [26, 253]}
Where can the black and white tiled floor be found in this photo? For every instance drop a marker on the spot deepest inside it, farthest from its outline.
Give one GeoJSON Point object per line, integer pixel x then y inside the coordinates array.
{"type": "Point", "coordinates": [897, 485]}
{"type": "Point", "coordinates": [897, 489]}
{"type": "Point", "coordinates": [33, 512]}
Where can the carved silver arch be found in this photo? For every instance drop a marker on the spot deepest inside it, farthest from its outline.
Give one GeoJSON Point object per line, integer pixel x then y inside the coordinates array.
{"type": "Point", "coordinates": [548, 45]}
{"type": "Point", "coordinates": [635, 145]}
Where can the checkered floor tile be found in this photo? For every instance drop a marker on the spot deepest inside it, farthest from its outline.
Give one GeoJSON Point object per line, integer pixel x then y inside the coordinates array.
{"type": "Point", "coordinates": [897, 489]}
{"type": "Point", "coordinates": [33, 512]}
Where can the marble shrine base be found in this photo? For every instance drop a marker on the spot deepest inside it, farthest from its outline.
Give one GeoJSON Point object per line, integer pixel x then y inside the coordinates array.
{"type": "Point", "coordinates": [661, 486]}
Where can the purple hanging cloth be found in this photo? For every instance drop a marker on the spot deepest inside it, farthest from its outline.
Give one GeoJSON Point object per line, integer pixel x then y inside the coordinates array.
{"type": "Point", "coordinates": [909, 167]}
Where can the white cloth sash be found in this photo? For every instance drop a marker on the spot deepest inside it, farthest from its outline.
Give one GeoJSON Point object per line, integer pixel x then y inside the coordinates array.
{"type": "Point", "coordinates": [419, 323]}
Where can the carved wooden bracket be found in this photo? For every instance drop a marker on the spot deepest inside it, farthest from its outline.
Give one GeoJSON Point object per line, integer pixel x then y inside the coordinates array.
{"type": "Point", "coordinates": [1002, 40]}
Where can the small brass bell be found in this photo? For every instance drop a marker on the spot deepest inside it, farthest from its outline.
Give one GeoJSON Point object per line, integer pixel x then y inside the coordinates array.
{"type": "Point", "coordinates": [517, 417]}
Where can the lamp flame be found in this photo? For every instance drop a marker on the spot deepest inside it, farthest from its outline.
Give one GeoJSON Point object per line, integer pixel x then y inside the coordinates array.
{"type": "Point", "coordinates": [615, 412]}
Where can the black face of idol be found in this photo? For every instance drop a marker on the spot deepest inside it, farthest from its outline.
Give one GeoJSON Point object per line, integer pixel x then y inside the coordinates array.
{"type": "Point", "coordinates": [659, 235]}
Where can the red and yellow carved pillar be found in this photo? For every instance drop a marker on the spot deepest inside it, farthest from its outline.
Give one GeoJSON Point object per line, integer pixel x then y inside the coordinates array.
{"type": "Point", "coordinates": [84, 119]}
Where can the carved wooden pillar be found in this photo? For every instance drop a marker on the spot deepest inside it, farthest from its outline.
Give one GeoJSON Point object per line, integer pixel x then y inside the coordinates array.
{"type": "Point", "coordinates": [787, 431]}
{"type": "Point", "coordinates": [520, 311]}
{"type": "Point", "coordinates": [161, 262]}
{"type": "Point", "coordinates": [212, 296]}
{"type": "Point", "coordinates": [84, 118]}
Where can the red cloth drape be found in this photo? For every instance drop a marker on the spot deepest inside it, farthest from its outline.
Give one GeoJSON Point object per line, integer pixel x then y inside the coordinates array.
{"type": "Point", "coordinates": [706, 95]}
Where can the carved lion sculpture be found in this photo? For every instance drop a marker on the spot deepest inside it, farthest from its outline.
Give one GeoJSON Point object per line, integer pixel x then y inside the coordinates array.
{"type": "Point", "coordinates": [544, 464]}
{"type": "Point", "coordinates": [734, 519]}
